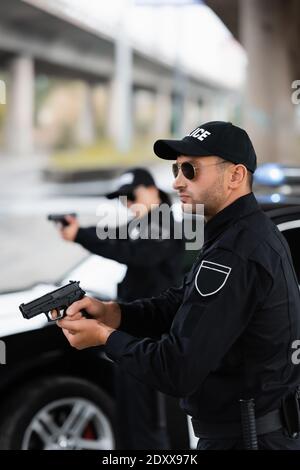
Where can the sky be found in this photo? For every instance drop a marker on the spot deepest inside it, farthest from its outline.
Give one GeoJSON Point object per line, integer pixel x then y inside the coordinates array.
{"type": "Point", "coordinates": [191, 35]}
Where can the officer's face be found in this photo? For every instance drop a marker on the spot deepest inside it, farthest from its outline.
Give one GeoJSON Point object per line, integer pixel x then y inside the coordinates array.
{"type": "Point", "coordinates": [207, 187]}
{"type": "Point", "coordinates": [144, 198]}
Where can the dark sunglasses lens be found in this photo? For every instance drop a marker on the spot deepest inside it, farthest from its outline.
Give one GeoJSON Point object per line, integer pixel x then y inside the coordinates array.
{"type": "Point", "coordinates": [175, 170]}
{"type": "Point", "coordinates": [188, 170]}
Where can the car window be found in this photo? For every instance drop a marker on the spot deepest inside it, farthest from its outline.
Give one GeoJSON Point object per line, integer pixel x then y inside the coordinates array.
{"type": "Point", "coordinates": [292, 235]}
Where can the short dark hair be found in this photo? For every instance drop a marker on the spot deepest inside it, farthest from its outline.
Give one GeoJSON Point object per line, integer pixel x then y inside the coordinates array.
{"type": "Point", "coordinates": [249, 173]}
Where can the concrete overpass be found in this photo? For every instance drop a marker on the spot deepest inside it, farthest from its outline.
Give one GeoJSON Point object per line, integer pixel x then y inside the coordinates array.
{"type": "Point", "coordinates": [270, 32]}
{"type": "Point", "coordinates": [34, 40]}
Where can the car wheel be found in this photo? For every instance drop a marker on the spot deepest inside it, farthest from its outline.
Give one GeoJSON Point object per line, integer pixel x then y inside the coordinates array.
{"type": "Point", "coordinates": [58, 413]}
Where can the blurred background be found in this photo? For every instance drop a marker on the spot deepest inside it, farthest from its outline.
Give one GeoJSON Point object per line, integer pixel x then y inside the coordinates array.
{"type": "Point", "coordinates": [86, 88]}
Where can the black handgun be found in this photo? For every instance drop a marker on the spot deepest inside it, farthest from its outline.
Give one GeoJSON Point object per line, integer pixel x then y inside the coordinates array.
{"type": "Point", "coordinates": [58, 300]}
{"type": "Point", "coordinates": [60, 218]}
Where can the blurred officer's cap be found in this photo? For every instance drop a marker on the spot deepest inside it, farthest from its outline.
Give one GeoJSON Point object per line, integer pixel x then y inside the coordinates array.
{"type": "Point", "coordinates": [215, 138]}
{"type": "Point", "coordinates": [130, 180]}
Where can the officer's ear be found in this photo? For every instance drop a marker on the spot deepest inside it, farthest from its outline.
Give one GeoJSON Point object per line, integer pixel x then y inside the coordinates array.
{"type": "Point", "coordinates": [238, 175]}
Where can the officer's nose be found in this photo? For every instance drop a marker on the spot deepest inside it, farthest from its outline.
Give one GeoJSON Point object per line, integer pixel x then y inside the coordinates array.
{"type": "Point", "coordinates": [179, 182]}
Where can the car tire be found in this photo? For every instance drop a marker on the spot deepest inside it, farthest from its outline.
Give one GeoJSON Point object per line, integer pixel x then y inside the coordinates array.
{"type": "Point", "coordinates": [37, 404]}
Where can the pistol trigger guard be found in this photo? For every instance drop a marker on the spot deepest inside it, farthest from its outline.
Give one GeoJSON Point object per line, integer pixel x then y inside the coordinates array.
{"type": "Point", "coordinates": [49, 319]}
{"type": "Point", "coordinates": [59, 316]}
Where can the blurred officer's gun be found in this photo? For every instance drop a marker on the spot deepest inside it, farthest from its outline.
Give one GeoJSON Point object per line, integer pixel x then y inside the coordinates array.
{"type": "Point", "coordinates": [58, 300]}
{"type": "Point", "coordinates": [60, 218]}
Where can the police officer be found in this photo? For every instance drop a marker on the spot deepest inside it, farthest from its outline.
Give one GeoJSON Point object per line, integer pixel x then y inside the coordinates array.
{"type": "Point", "coordinates": [152, 266]}
{"type": "Point", "coordinates": [151, 261]}
{"type": "Point", "coordinates": [227, 333]}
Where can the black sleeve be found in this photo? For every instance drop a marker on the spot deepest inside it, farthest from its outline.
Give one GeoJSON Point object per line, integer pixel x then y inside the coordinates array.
{"type": "Point", "coordinates": [139, 252]}
{"type": "Point", "coordinates": [213, 315]}
{"type": "Point", "coordinates": [151, 317]}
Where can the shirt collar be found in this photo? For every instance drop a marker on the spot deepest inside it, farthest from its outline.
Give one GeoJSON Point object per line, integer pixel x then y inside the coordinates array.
{"type": "Point", "coordinates": [240, 208]}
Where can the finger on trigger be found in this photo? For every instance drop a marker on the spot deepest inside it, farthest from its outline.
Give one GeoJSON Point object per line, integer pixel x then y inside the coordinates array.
{"type": "Point", "coordinates": [77, 306]}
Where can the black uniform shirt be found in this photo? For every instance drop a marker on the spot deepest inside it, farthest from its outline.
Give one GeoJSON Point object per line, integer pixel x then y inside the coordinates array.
{"type": "Point", "coordinates": [151, 260]}
{"type": "Point", "coordinates": [227, 332]}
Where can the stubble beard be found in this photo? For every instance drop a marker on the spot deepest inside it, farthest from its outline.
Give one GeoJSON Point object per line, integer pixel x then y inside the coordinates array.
{"type": "Point", "coordinates": [213, 200]}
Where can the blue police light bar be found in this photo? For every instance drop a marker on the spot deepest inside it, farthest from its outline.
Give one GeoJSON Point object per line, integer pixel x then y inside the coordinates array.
{"type": "Point", "coordinates": [162, 3]}
{"type": "Point", "coordinates": [269, 174]}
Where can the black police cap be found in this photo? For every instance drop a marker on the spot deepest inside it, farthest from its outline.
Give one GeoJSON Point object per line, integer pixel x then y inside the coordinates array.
{"type": "Point", "coordinates": [130, 180]}
{"type": "Point", "coordinates": [215, 138]}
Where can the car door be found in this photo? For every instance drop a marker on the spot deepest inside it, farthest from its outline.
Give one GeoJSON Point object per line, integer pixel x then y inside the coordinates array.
{"type": "Point", "coordinates": [287, 220]}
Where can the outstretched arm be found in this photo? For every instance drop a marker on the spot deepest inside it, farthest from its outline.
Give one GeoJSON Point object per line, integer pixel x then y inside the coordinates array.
{"type": "Point", "coordinates": [134, 252]}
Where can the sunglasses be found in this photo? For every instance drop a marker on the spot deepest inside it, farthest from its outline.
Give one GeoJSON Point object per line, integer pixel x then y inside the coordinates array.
{"type": "Point", "coordinates": [188, 169]}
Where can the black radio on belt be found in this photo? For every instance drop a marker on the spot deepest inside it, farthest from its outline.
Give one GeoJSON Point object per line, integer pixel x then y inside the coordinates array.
{"type": "Point", "coordinates": [290, 409]}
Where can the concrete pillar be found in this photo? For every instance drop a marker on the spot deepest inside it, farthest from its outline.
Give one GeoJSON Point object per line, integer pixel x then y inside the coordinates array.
{"type": "Point", "coordinates": [222, 106]}
{"type": "Point", "coordinates": [85, 132]}
{"type": "Point", "coordinates": [177, 115]}
{"type": "Point", "coordinates": [163, 112]}
{"type": "Point", "coordinates": [191, 114]}
{"type": "Point", "coordinates": [2, 92]}
{"type": "Point", "coordinates": [20, 106]}
{"type": "Point", "coordinates": [120, 119]}
{"type": "Point", "coordinates": [210, 108]}
{"type": "Point", "coordinates": [178, 99]}
{"type": "Point", "coordinates": [268, 113]}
